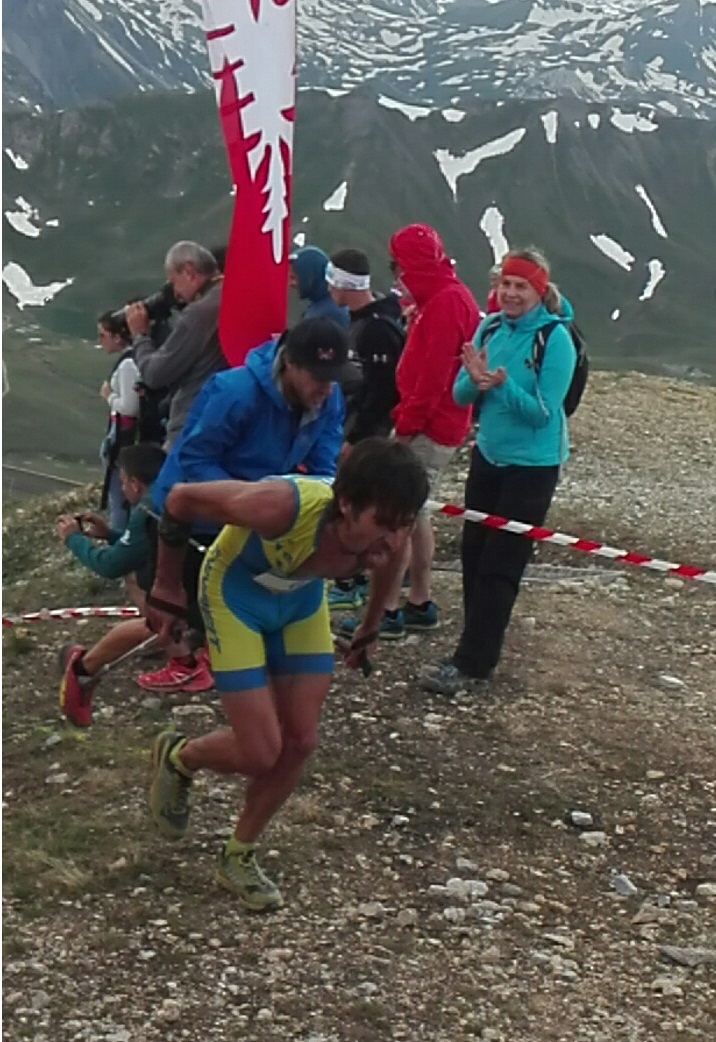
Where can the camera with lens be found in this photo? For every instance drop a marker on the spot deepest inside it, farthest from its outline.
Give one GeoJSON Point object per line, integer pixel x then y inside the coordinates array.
{"type": "Point", "coordinates": [159, 305]}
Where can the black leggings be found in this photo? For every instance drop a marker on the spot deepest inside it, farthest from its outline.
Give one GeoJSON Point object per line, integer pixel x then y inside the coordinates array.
{"type": "Point", "coordinates": [493, 561]}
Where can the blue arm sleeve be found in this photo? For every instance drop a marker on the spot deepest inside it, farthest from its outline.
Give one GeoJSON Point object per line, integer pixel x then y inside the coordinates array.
{"type": "Point", "coordinates": [323, 457]}
{"type": "Point", "coordinates": [127, 554]}
{"type": "Point", "coordinates": [217, 430]}
{"type": "Point", "coordinates": [552, 383]}
{"type": "Point", "coordinates": [464, 391]}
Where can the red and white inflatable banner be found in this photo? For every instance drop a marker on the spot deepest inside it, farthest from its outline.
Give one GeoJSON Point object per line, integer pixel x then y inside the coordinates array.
{"type": "Point", "coordinates": [252, 53]}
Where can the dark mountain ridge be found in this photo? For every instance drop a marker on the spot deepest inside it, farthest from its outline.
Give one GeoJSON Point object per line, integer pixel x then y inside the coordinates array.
{"type": "Point", "coordinates": [111, 186]}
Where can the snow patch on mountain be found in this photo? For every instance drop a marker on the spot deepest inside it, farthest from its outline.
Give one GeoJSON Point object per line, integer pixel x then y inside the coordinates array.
{"type": "Point", "coordinates": [453, 167]}
{"type": "Point", "coordinates": [613, 250]}
{"type": "Point", "coordinates": [549, 122]}
{"type": "Point", "coordinates": [656, 273]}
{"type": "Point", "coordinates": [91, 10]}
{"type": "Point", "coordinates": [655, 219]}
{"type": "Point", "coordinates": [413, 112]}
{"type": "Point", "coordinates": [492, 224]}
{"type": "Point", "coordinates": [337, 199]}
{"type": "Point", "coordinates": [631, 121]}
{"type": "Point", "coordinates": [453, 115]}
{"type": "Point", "coordinates": [25, 292]}
{"type": "Point", "coordinates": [22, 218]}
{"type": "Point", "coordinates": [17, 161]}
{"type": "Point", "coordinates": [114, 54]}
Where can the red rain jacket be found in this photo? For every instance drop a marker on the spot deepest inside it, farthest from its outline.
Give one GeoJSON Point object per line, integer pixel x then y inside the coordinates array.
{"type": "Point", "coordinates": [447, 316]}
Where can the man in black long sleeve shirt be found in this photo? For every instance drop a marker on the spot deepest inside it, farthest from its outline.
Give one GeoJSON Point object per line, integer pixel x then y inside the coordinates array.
{"type": "Point", "coordinates": [375, 339]}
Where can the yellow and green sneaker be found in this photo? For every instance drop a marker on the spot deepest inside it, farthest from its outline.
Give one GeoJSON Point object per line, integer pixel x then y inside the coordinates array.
{"type": "Point", "coordinates": [240, 873]}
{"type": "Point", "coordinates": [169, 794]}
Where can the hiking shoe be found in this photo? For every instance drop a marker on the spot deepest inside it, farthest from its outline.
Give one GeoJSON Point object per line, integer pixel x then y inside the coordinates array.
{"type": "Point", "coordinates": [421, 618]}
{"type": "Point", "coordinates": [390, 628]}
{"type": "Point", "coordinates": [75, 692]}
{"type": "Point", "coordinates": [444, 678]}
{"type": "Point", "coordinates": [345, 597]}
{"type": "Point", "coordinates": [240, 873]}
{"type": "Point", "coordinates": [63, 655]}
{"type": "Point", "coordinates": [176, 676]}
{"type": "Point", "coordinates": [170, 790]}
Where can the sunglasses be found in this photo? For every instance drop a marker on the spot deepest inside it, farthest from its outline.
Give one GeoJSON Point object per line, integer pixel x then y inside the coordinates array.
{"type": "Point", "coordinates": [393, 266]}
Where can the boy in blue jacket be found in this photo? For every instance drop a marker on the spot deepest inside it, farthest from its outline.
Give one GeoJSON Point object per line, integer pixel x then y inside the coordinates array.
{"type": "Point", "coordinates": [126, 551]}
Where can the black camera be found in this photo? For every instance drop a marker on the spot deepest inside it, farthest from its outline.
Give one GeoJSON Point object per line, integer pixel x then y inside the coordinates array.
{"type": "Point", "coordinates": [159, 305]}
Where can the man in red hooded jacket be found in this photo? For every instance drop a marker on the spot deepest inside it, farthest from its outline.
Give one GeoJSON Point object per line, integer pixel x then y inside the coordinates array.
{"type": "Point", "coordinates": [426, 417]}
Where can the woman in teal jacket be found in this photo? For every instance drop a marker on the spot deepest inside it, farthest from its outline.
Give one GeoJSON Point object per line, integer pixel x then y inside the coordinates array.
{"type": "Point", "coordinates": [522, 439]}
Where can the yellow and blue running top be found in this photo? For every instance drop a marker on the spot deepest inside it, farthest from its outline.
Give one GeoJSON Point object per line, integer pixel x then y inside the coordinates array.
{"type": "Point", "coordinates": [260, 619]}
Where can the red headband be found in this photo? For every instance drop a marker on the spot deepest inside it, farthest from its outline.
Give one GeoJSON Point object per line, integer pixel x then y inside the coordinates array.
{"type": "Point", "coordinates": [527, 269]}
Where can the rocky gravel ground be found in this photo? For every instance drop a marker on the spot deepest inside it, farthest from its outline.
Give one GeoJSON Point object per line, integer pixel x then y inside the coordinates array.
{"type": "Point", "coordinates": [537, 865]}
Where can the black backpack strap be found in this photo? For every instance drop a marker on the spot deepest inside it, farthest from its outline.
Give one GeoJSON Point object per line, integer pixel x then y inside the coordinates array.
{"type": "Point", "coordinates": [128, 352]}
{"type": "Point", "coordinates": [539, 344]}
{"type": "Point", "coordinates": [490, 328]}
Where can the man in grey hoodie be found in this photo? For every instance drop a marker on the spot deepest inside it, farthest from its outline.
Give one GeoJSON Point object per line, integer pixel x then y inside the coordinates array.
{"type": "Point", "coordinates": [191, 353]}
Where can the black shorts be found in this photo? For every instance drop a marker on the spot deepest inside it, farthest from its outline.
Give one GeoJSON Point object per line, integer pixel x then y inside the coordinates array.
{"type": "Point", "coordinates": [190, 575]}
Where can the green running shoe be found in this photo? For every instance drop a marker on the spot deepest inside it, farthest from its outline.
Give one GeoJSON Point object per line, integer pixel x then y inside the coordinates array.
{"type": "Point", "coordinates": [169, 794]}
{"type": "Point", "coordinates": [240, 873]}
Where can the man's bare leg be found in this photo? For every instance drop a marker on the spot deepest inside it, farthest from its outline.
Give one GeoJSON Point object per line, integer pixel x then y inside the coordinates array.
{"type": "Point", "coordinates": [422, 552]}
{"type": "Point", "coordinates": [299, 701]}
{"type": "Point", "coordinates": [270, 737]}
{"type": "Point", "coordinates": [116, 642]}
{"type": "Point", "coordinates": [419, 555]}
{"type": "Point", "coordinates": [250, 746]}
{"type": "Point", "coordinates": [272, 733]}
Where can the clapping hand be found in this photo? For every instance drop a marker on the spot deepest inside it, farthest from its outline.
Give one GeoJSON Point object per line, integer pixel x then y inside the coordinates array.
{"type": "Point", "coordinates": [475, 363]}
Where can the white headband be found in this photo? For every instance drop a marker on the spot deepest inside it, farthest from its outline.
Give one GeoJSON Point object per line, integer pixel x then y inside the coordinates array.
{"type": "Point", "coordinates": [340, 279]}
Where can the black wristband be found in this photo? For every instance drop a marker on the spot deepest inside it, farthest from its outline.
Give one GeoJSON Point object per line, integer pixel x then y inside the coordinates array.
{"type": "Point", "coordinates": [172, 532]}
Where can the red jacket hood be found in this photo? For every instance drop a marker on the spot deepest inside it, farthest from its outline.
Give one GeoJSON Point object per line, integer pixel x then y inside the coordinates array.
{"type": "Point", "coordinates": [424, 265]}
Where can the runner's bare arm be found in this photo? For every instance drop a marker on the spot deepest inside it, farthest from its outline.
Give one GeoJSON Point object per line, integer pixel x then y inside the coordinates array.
{"type": "Point", "coordinates": [266, 507]}
{"type": "Point", "coordinates": [357, 655]}
{"type": "Point", "coordinates": [381, 583]}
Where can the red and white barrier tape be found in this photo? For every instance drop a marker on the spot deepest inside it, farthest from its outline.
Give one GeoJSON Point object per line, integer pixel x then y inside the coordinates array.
{"type": "Point", "coordinates": [546, 535]}
{"type": "Point", "coordinates": [124, 612]}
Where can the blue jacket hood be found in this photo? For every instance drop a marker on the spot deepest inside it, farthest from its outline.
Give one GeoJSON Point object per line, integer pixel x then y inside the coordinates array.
{"type": "Point", "coordinates": [241, 426]}
{"type": "Point", "coordinates": [309, 264]}
{"type": "Point", "coordinates": [260, 362]}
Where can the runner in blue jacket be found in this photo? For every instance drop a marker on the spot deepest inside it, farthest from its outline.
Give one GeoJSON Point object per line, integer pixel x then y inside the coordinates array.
{"type": "Point", "coordinates": [279, 413]}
